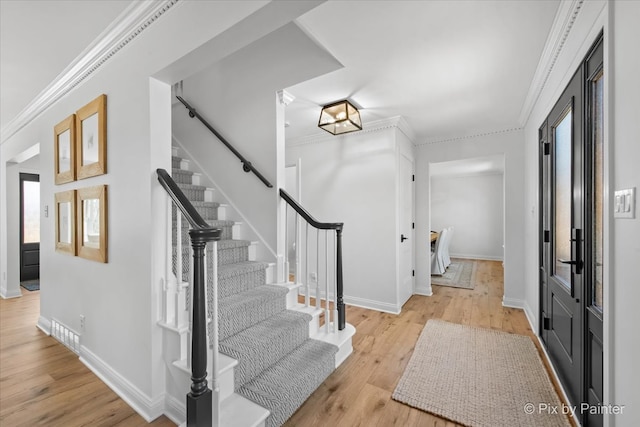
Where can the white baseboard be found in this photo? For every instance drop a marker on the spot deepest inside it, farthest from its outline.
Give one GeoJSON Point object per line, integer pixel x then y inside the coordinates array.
{"type": "Point", "coordinates": [372, 305]}
{"type": "Point", "coordinates": [146, 407]}
{"type": "Point", "coordinates": [476, 256]}
{"type": "Point", "coordinates": [513, 303]}
{"type": "Point", "coordinates": [44, 325]}
{"type": "Point", "coordinates": [175, 409]}
{"type": "Point", "coordinates": [427, 290]}
{"type": "Point", "coordinates": [533, 320]}
{"type": "Point", "coordinates": [527, 311]}
{"type": "Point", "coordinates": [355, 301]}
{"type": "Point", "coordinates": [6, 294]}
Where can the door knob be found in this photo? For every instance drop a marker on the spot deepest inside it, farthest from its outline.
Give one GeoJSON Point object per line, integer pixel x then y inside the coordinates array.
{"type": "Point", "coordinates": [402, 238]}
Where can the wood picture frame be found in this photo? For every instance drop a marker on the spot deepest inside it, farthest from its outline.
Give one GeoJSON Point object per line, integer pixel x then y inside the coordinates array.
{"type": "Point", "coordinates": [92, 237]}
{"type": "Point", "coordinates": [91, 138]}
{"type": "Point", "coordinates": [66, 222]}
{"type": "Point", "coordinates": [64, 150]}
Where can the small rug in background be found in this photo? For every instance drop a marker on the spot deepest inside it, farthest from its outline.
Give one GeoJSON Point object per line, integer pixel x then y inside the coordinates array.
{"type": "Point", "coordinates": [479, 377]}
{"type": "Point", "coordinates": [459, 274]}
{"type": "Point", "coordinates": [31, 285]}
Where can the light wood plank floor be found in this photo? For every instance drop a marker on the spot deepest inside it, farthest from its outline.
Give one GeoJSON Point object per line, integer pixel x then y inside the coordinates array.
{"type": "Point", "coordinates": [43, 383]}
{"type": "Point", "coordinates": [359, 392]}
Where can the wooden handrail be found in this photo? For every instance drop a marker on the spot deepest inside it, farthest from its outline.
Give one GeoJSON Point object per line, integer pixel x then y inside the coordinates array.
{"type": "Point", "coordinates": [307, 216]}
{"type": "Point", "coordinates": [246, 164]}
{"type": "Point", "coordinates": [337, 226]}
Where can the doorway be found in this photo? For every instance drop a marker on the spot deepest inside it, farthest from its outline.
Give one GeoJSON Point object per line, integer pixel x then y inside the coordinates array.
{"type": "Point", "coordinates": [571, 240]}
{"type": "Point", "coordinates": [29, 227]}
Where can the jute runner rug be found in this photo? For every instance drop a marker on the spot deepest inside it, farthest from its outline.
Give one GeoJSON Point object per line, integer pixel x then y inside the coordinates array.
{"type": "Point", "coordinates": [479, 377]}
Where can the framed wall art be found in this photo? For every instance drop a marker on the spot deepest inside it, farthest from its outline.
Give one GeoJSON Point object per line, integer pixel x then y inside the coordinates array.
{"type": "Point", "coordinates": [66, 222]}
{"type": "Point", "coordinates": [91, 208]}
{"type": "Point", "coordinates": [91, 138]}
{"type": "Point", "coordinates": [64, 148]}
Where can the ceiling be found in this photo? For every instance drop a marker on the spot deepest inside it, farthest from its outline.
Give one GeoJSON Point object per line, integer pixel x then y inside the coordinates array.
{"type": "Point", "coordinates": [449, 68]}
{"type": "Point", "coordinates": [39, 38]}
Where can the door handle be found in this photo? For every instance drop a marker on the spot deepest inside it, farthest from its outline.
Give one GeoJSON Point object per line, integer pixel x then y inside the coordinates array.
{"type": "Point", "coordinates": [567, 261]}
{"type": "Point", "coordinates": [402, 238]}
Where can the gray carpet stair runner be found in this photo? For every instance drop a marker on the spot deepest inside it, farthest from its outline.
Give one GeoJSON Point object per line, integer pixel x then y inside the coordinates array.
{"type": "Point", "coordinates": [279, 365]}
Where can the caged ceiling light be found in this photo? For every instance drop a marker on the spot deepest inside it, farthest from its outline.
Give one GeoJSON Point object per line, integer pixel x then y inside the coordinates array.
{"type": "Point", "coordinates": [340, 117]}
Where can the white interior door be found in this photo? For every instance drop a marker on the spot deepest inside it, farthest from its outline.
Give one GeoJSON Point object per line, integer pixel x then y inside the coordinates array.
{"type": "Point", "coordinates": [406, 237]}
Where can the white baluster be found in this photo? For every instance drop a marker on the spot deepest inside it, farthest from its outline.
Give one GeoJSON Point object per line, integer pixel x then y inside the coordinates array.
{"type": "Point", "coordinates": [215, 386]}
{"type": "Point", "coordinates": [327, 316]}
{"type": "Point", "coordinates": [317, 268]}
{"type": "Point", "coordinates": [335, 286]}
{"type": "Point", "coordinates": [170, 316]}
{"type": "Point", "coordinates": [286, 244]}
{"type": "Point", "coordinates": [298, 246]}
{"type": "Point", "coordinates": [306, 267]}
{"type": "Point", "coordinates": [179, 246]}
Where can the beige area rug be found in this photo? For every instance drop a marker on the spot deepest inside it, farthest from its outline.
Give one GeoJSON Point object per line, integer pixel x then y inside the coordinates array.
{"type": "Point", "coordinates": [459, 274]}
{"type": "Point", "coordinates": [479, 377]}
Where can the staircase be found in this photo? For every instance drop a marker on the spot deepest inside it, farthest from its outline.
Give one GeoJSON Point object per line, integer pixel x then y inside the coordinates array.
{"type": "Point", "coordinates": [273, 354]}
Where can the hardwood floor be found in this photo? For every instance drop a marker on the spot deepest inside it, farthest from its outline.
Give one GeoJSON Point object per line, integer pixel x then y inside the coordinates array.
{"type": "Point", "coordinates": [359, 392]}
{"type": "Point", "coordinates": [43, 383]}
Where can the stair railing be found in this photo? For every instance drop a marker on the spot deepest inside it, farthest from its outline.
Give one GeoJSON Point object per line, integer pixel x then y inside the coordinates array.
{"type": "Point", "coordinates": [202, 409]}
{"type": "Point", "coordinates": [333, 283]}
{"type": "Point", "coordinates": [246, 164]}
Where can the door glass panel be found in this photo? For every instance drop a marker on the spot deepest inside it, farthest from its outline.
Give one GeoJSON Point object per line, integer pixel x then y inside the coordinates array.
{"type": "Point", "coordinates": [31, 212]}
{"type": "Point", "coordinates": [598, 183]}
{"type": "Point", "coordinates": [563, 200]}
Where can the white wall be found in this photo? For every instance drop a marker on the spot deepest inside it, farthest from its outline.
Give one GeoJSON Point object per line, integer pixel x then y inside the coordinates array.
{"type": "Point", "coordinates": [473, 205]}
{"type": "Point", "coordinates": [622, 237]}
{"type": "Point", "coordinates": [237, 96]}
{"type": "Point", "coordinates": [119, 298]}
{"type": "Point", "coordinates": [509, 144]}
{"type": "Point", "coordinates": [625, 140]}
{"type": "Point", "coordinates": [352, 179]}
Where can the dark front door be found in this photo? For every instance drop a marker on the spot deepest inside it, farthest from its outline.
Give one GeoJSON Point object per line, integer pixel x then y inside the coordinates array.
{"type": "Point", "coordinates": [563, 267]}
{"type": "Point", "coordinates": [571, 201]}
{"type": "Point", "coordinates": [29, 227]}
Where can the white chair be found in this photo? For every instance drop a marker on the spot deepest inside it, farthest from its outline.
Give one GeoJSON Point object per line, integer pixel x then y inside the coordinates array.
{"type": "Point", "coordinates": [445, 251]}
{"type": "Point", "coordinates": [437, 260]}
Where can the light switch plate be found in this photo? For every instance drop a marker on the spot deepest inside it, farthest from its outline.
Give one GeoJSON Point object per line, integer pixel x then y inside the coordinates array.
{"type": "Point", "coordinates": [624, 203]}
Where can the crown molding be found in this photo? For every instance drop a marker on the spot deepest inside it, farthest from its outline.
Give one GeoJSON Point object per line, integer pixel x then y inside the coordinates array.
{"type": "Point", "coordinates": [126, 27]}
{"type": "Point", "coordinates": [563, 23]}
{"type": "Point", "coordinates": [461, 138]}
{"type": "Point", "coordinates": [393, 122]}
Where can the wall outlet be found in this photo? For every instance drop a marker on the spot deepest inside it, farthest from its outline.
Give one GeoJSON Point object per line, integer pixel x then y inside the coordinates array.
{"type": "Point", "coordinates": [313, 276]}
{"type": "Point", "coordinates": [82, 320]}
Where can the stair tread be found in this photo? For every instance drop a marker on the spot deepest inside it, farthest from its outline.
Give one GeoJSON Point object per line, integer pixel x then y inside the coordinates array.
{"type": "Point", "coordinates": [242, 310]}
{"type": "Point", "coordinates": [238, 268]}
{"type": "Point", "coordinates": [207, 204]}
{"type": "Point", "coordinates": [262, 291]}
{"type": "Point", "coordinates": [181, 171]}
{"type": "Point", "coordinates": [284, 386]}
{"type": "Point", "coordinates": [231, 243]}
{"type": "Point", "coordinates": [261, 345]}
{"type": "Point", "coordinates": [191, 187]}
{"type": "Point", "coordinates": [238, 411]}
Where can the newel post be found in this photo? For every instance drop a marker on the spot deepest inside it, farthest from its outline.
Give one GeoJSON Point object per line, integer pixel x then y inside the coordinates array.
{"type": "Point", "coordinates": [340, 301]}
{"type": "Point", "coordinates": [199, 398]}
